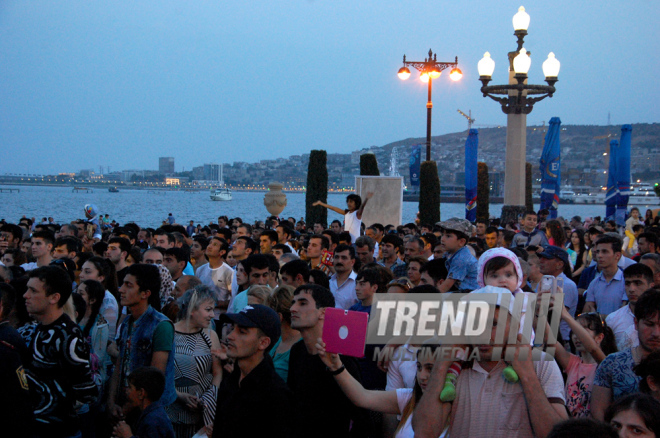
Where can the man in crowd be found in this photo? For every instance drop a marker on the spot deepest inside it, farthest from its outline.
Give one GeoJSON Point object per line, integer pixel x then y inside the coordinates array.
{"type": "Point", "coordinates": [175, 260]}
{"type": "Point", "coordinates": [342, 282]}
{"type": "Point", "coordinates": [638, 278]}
{"type": "Point", "coordinates": [491, 237]}
{"type": "Point", "coordinates": [615, 376]}
{"type": "Point", "coordinates": [433, 273]}
{"type": "Point", "coordinates": [163, 239]}
{"type": "Point", "coordinates": [554, 261]}
{"type": "Point", "coordinates": [217, 274]}
{"type": "Point", "coordinates": [482, 225]}
{"type": "Point", "coordinates": [318, 243]}
{"type": "Point", "coordinates": [461, 265]}
{"type": "Point", "coordinates": [42, 248]}
{"type": "Point", "coordinates": [117, 253]}
{"type": "Point", "coordinates": [59, 374]}
{"type": "Point", "coordinates": [267, 240]}
{"type": "Point", "coordinates": [146, 337]}
{"type": "Point", "coordinates": [413, 248]}
{"type": "Point", "coordinates": [10, 237]}
{"type": "Point", "coordinates": [336, 226]}
{"type": "Point", "coordinates": [646, 243]}
{"type": "Point", "coordinates": [198, 251]}
{"type": "Point", "coordinates": [606, 292]}
{"type": "Point", "coordinates": [389, 250]}
{"type": "Point", "coordinates": [364, 249]}
{"type": "Point", "coordinates": [529, 235]}
{"type": "Point", "coordinates": [486, 404]}
{"type": "Point", "coordinates": [153, 256]}
{"type": "Point", "coordinates": [320, 405]}
{"type": "Point", "coordinates": [652, 260]}
{"type": "Point", "coordinates": [253, 386]}
{"type": "Point", "coordinates": [294, 273]}
{"type": "Point", "coordinates": [66, 247]}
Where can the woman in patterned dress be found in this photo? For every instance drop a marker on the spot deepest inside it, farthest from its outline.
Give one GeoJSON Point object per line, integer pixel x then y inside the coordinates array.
{"type": "Point", "coordinates": [197, 372]}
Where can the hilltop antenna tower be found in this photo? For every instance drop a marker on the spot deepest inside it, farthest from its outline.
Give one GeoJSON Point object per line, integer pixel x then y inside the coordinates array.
{"type": "Point", "coordinates": [469, 118]}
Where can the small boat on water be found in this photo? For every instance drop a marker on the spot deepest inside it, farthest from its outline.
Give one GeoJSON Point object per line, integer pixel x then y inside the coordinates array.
{"type": "Point", "coordinates": [643, 194]}
{"type": "Point", "coordinates": [113, 190]}
{"type": "Point", "coordinates": [221, 194]}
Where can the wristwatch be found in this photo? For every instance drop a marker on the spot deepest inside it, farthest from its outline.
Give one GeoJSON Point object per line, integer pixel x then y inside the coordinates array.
{"type": "Point", "coordinates": [337, 371]}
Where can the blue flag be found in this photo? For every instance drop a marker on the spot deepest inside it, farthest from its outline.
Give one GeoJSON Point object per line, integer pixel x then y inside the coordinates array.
{"type": "Point", "coordinates": [551, 168]}
{"type": "Point", "coordinates": [471, 168]}
{"type": "Point", "coordinates": [612, 193]}
{"type": "Point", "coordinates": [623, 174]}
{"type": "Point", "coordinates": [415, 163]}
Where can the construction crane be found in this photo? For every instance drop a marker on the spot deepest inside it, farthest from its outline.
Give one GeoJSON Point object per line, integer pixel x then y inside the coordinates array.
{"type": "Point", "coordinates": [468, 117]}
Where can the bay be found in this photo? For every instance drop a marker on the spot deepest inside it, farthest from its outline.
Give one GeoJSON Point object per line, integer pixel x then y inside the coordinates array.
{"type": "Point", "coordinates": [151, 207]}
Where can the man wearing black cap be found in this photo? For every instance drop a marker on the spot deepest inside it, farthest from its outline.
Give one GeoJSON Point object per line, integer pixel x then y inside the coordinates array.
{"type": "Point", "coordinates": [253, 400]}
{"type": "Point", "coordinates": [554, 261]}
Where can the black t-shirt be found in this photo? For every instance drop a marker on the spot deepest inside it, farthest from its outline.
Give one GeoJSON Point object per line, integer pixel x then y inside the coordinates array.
{"type": "Point", "coordinates": [16, 415]}
{"type": "Point", "coordinates": [321, 408]}
{"type": "Point", "coordinates": [260, 406]}
{"type": "Point", "coordinates": [120, 276]}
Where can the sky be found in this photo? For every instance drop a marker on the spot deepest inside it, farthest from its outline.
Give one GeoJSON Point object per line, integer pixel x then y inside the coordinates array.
{"type": "Point", "coordinates": [88, 83]}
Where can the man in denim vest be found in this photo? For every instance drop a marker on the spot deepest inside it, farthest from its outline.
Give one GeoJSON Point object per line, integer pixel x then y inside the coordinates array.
{"type": "Point", "coordinates": [146, 337]}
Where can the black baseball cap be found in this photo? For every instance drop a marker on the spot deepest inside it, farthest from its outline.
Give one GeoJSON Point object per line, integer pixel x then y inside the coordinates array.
{"type": "Point", "coordinates": [554, 252]}
{"type": "Point", "coordinates": [259, 316]}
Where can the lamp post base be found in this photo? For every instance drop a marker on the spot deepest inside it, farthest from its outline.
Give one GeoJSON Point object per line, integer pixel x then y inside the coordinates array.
{"type": "Point", "coordinates": [511, 213]}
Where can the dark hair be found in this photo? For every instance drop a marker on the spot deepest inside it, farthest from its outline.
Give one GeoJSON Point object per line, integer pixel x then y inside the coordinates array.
{"type": "Point", "coordinates": [147, 277]}
{"type": "Point", "coordinates": [355, 198]}
{"type": "Point", "coordinates": [521, 253]}
{"type": "Point", "coordinates": [647, 407]}
{"type": "Point", "coordinates": [73, 244]}
{"type": "Point", "coordinates": [96, 293]}
{"type": "Point", "coordinates": [203, 241]}
{"type": "Point", "coordinates": [100, 248]}
{"type": "Point", "coordinates": [151, 379]}
{"type": "Point", "coordinates": [18, 255]}
{"type": "Point", "coordinates": [270, 234]}
{"type": "Point", "coordinates": [596, 323]}
{"type": "Point", "coordinates": [285, 228]}
{"type": "Point", "coordinates": [639, 270]}
{"type": "Point", "coordinates": [224, 244]}
{"type": "Point", "coordinates": [334, 237]}
{"type": "Point", "coordinates": [371, 276]}
{"type": "Point", "coordinates": [162, 232]}
{"type": "Point", "coordinates": [180, 254]}
{"type": "Point", "coordinates": [491, 230]}
{"type": "Point", "coordinates": [56, 280]}
{"type": "Point", "coordinates": [320, 278]}
{"type": "Point", "coordinates": [392, 239]}
{"type": "Point", "coordinates": [648, 305]}
{"type": "Point", "coordinates": [257, 261]}
{"type": "Point", "coordinates": [581, 246]}
{"type": "Point", "coordinates": [350, 249]}
{"type": "Point", "coordinates": [249, 242]}
{"type": "Point", "coordinates": [322, 296]}
{"type": "Point", "coordinates": [367, 241]}
{"type": "Point", "coordinates": [295, 268]}
{"type": "Point", "coordinates": [124, 244]}
{"type": "Point", "coordinates": [46, 235]}
{"type": "Point", "coordinates": [325, 242]}
{"type": "Point", "coordinates": [14, 230]}
{"type": "Point", "coordinates": [581, 427]}
{"type": "Point", "coordinates": [650, 238]}
{"type": "Point", "coordinates": [282, 247]}
{"type": "Point", "coordinates": [495, 264]}
{"type": "Point", "coordinates": [614, 241]}
{"type": "Point", "coordinates": [79, 306]}
{"type": "Point", "coordinates": [109, 272]}
{"type": "Point", "coordinates": [273, 264]}
{"type": "Point", "coordinates": [247, 227]}
{"type": "Point", "coordinates": [436, 269]}
{"type": "Point", "coordinates": [556, 232]}
{"type": "Point", "coordinates": [529, 213]}
{"type": "Point", "coordinates": [8, 299]}
{"type": "Point", "coordinates": [345, 236]}
{"type": "Point", "coordinates": [649, 367]}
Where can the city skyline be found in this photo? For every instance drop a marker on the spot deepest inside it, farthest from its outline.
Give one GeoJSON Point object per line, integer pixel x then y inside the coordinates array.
{"type": "Point", "coordinates": [85, 84]}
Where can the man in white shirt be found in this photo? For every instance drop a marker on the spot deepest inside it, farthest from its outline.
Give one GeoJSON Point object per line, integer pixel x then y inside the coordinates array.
{"type": "Point", "coordinates": [638, 278]}
{"type": "Point", "coordinates": [216, 273]}
{"type": "Point", "coordinates": [342, 282]}
{"type": "Point", "coordinates": [42, 248]}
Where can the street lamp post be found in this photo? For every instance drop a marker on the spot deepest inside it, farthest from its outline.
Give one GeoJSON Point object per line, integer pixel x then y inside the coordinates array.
{"type": "Point", "coordinates": [429, 69]}
{"type": "Point", "coordinates": [516, 101]}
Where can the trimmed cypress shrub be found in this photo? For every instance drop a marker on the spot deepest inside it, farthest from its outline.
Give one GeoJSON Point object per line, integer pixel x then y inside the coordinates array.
{"type": "Point", "coordinates": [483, 192]}
{"type": "Point", "coordinates": [317, 188]}
{"type": "Point", "coordinates": [429, 193]}
{"type": "Point", "coordinates": [369, 165]}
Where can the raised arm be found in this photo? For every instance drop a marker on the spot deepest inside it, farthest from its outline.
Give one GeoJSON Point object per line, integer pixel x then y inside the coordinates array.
{"type": "Point", "coordinates": [330, 207]}
{"type": "Point", "coordinates": [364, 204]}
{"type": "Point", "coordinates": [584, 336]}
{"type": "Point", "coordinates": [431, 415]}
{"type": "Point", "coordinates": [379, 401]}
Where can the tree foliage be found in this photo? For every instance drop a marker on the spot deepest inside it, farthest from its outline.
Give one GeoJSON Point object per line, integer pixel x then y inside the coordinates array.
{"type": "Point", "coordinates": [529, 202]}
{"type": "Point", "coordinates": [483, 192]}
{"type": "Point", "coordinates": [429, 193]}
{"type": "Point", "coordinates": [317, 187]}
{"type": "Point", "coordinates": [369, 165]}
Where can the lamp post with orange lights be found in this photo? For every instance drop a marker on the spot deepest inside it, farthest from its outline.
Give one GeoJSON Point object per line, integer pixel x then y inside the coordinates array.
{"type": "Point", "coordinates": [429, 69]}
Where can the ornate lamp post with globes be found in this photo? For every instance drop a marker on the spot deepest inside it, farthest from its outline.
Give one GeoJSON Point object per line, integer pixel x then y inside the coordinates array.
{"type": "Point", "coordinates": [517, 99]}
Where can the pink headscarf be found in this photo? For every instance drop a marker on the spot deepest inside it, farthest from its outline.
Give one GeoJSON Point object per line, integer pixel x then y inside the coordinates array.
{"type": "Point", "coordinates": [499, 252]}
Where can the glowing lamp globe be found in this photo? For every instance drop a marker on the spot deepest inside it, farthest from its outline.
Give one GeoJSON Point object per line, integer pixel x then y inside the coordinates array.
{"type": "Point", "coordinates": [404, 73]}
{"type": "Point", "coordinates": [521, 19]}
{"type": "Point", "coordinates": [424, 77]}
{"type": "Point", "coordinates": [435, 72]}
{"type": "Point", "coordinates": [522, 62]}
{"type": "Point", "coordinates": [551, 66]}
{"type": "Point", "coordinates": [456, 74]}
{"type": "Point", "coordinates": [486, 65]}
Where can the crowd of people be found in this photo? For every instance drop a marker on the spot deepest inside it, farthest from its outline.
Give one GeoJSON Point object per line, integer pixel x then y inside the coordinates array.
{"type": "Point", "coordinates": [216, 330]}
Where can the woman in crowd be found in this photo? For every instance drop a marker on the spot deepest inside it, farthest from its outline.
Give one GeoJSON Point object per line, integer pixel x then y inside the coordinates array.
{"type": "Point", "coordinates": [399, 286]}
{"type": "Point", "coordinates": [280, 301]}
{"type": "Point", "coordinates": [401, 401]}
{"type": "Point", "coordinates": [649, 371]}
{"type": "Point", "coordinates": [95, 328]}
{"type": "Point", "coordinates": [578, 245]}
{"type": "Point", "coordinates": [241, 278]}
{"type": "Point", "coordinates": [648, 218]}
{"type": "Point", "coordinates": [258, 294]}
{"type": "Point", "coordinates": [635, 415]}
{"type": "Point", "coordinates": [197, 372]}
{"type": "Point", "coordinates": [593, 340]}
{"type": "Point", "coordinates": [103, 271]}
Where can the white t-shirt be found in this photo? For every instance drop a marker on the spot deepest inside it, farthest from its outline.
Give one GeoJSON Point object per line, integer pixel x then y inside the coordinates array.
{"type": "Point", "coordinates": [403, 396]}
{"type": "Point", "coordinates": [352, 225]}
{"type": "Point", "coordinates": [219, 279]}
{"type": "Point", "coordinates": [622, 323]}
{"type": "Point", "coordinates": [29, 266]}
